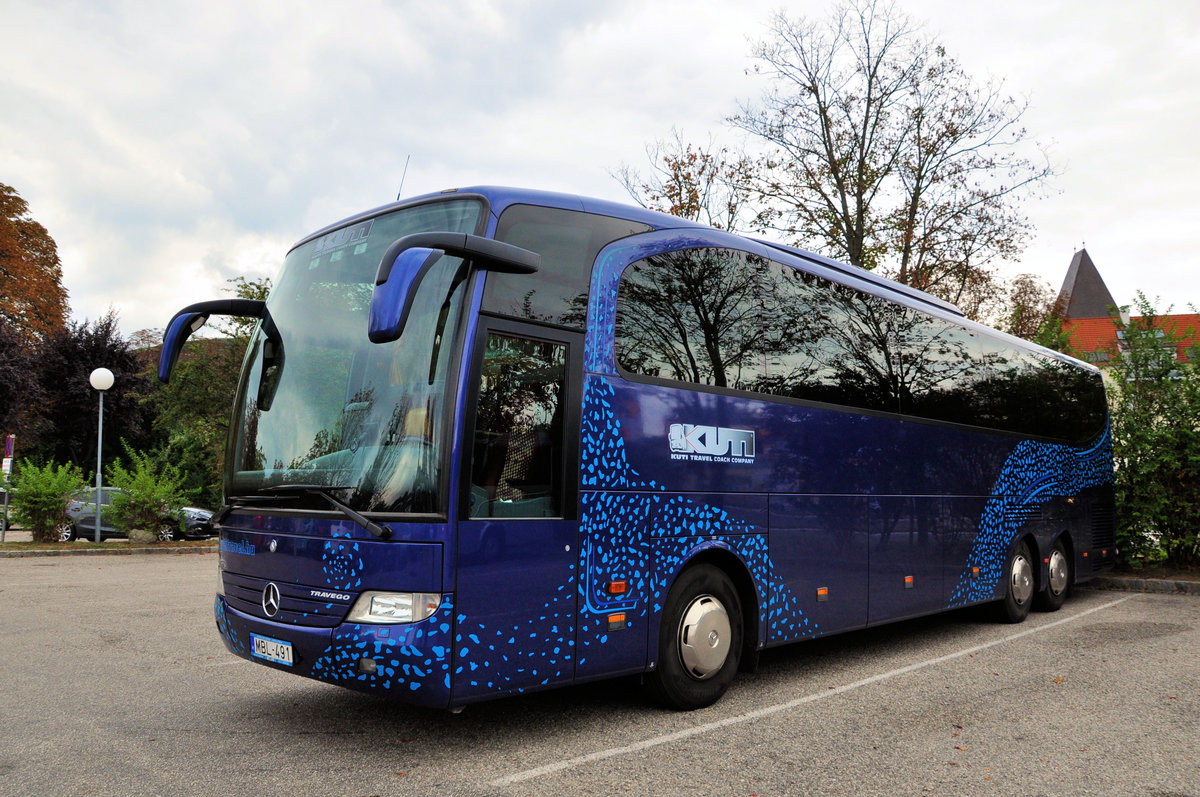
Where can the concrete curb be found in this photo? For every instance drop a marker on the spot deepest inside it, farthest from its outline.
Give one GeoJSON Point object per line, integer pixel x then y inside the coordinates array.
{"type": "Point", "coordinates": [106, 552]}
{"type": "Point", "coordinates": [1134, 584]}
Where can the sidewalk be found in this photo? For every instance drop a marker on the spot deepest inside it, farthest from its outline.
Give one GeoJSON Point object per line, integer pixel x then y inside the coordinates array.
{"type": "Point", "coordinates": [112, 547]}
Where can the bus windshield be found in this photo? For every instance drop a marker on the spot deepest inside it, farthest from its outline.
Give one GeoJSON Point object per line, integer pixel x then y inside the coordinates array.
{"type": "Point", "coordinates": [321, 405]}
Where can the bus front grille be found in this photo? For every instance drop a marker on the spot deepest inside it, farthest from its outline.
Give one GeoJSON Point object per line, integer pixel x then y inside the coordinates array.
{"type": "Point", "coordinates": [317, 607]}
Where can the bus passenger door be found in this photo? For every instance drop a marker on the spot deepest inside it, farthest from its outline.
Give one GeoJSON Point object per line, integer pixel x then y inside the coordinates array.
{"type": "Point", "coordinates": [518, 533]}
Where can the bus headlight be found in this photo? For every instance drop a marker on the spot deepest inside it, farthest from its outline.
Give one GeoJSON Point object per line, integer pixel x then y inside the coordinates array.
{"type": "Point", "coordinates": [394, 607]}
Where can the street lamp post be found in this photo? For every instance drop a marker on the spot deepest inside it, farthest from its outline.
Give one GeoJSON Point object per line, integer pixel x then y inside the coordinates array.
{"type": "Point", "coordinates": [102, 380]}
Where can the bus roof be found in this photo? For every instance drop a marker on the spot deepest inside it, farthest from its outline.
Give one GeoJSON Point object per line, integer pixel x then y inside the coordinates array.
{"type": "Point", "coordinates": [501, 197]}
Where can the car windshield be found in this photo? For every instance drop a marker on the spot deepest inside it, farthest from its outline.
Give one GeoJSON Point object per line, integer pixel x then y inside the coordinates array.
{"type": "Point", "coordinates": [88, 495]}
{"type": "Point", "coordinates": [320, 404]}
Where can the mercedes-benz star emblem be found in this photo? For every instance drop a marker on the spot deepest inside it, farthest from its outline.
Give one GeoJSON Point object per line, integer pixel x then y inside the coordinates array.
{"type": "Point", "coordinates": [270, 599]}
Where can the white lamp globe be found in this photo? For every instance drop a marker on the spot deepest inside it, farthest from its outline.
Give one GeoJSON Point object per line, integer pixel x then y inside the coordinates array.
{"type": "Point", "coordinates": [101, 379]}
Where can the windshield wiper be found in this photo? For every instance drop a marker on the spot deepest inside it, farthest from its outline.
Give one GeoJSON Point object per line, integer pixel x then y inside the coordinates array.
{"type": "Point", "coordinates": [382, 532]}
{"type": "Point", "coordinates": [243, 502]}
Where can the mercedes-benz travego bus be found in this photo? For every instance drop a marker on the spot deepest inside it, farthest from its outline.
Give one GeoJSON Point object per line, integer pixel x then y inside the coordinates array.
{"type": "Point", "coordinates": [495, 440]}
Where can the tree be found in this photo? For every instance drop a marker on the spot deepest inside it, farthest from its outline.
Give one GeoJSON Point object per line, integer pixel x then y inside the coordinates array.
{"type": "Point", "coordinates": [21, 394]}
{"type": "Point", "coordinates": [35, 301]}
{"type": "Point", "coordinates": [883, 151]}
{"type": "Point", "coordinates": [66, 421]}
{"type": "Point", "coordinates": [702, 183]}
{"type": "Point", "coordinates": [1027, 304]}
{"type": "Point", "coordinates": [1155, 411]}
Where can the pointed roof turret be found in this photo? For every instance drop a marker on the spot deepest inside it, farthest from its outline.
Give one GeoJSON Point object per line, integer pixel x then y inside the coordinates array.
{"type": "Point", "coordinates": [1084, 294]}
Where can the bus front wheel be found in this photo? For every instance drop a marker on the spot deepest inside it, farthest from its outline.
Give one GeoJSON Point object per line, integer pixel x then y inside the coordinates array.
{"type": "Point", "coordinates": [699, 641]}
{"type": "Point", "coordinates": [1020, 582]}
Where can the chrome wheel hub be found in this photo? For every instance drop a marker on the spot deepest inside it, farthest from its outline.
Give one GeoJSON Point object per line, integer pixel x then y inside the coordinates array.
{"type": "Point", "coordinates": [1021, 580]}
{"type": "Point", "coordinates": [704, 637]}
{"type": "Point", "coordinates": [1058, 572]}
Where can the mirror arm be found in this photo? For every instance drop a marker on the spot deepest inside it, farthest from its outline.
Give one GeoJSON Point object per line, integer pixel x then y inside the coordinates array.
{"type": "Point", "coordinates": [498, 255]}
{"type": "Point", "coordinates": [238, 308]}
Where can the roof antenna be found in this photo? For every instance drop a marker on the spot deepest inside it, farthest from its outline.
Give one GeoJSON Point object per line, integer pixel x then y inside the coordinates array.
{"type": "Point", "coordinates": [402, 176]}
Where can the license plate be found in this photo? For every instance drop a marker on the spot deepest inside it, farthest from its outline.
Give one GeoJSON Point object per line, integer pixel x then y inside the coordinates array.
{"type": "Point", "coordinates": [263, 647]}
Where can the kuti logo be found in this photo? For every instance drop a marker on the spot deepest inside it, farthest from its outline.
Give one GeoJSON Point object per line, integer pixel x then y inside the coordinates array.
{"type": "Point", "coordinates": [710, 443]}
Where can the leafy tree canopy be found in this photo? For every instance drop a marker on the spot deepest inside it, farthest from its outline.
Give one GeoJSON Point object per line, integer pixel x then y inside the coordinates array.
{"type": "Point", "coordinates": [66, 420]}
{"type": "Point", "coordinates": [35, 301]}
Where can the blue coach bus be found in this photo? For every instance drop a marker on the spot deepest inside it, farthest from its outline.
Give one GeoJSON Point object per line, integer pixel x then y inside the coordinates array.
{"type": "Point", "coordinates": [495, 440]}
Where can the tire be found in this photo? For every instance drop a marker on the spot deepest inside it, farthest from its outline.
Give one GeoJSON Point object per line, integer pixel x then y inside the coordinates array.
{"type": "Point", "coordinates": [1020, 583]}
{"type": "Point", "coordinates": [1058, 580]}
{"type": "Point", "coordinates": [168, 532]}
{"type": "Point", "coordinates": [66, 532]}
{"type": "Point", "coordinates": [699, 641]}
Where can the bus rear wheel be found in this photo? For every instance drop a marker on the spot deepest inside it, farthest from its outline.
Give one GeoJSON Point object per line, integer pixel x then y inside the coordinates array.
{"type": "Point", "coordinates": [699, 641]}
{"type": "Point", "coordinates": [1058, 580]}
{"type": "Point", "coordinates": [1019, 586]}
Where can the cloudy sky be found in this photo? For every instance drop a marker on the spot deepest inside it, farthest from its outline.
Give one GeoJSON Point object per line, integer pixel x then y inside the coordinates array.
{"type": "Point", "coordinates": [169, 146]}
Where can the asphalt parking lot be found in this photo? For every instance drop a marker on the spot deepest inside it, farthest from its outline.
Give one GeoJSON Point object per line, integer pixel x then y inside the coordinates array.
{"type": "Point", "coordinates": [114, 682]}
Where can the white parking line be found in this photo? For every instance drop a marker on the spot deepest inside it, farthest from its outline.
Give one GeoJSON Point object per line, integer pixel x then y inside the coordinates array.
{"type": "Point", "coordinates": [599, 755]}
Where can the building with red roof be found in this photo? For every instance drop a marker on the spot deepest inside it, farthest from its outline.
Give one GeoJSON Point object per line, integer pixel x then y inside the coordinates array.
{"type": "Point", "coordinates": [1090, 316]}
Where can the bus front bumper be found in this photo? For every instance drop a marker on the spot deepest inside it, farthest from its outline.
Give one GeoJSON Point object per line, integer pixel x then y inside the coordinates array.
{"type": "Point", "coordinates": [409, 662]}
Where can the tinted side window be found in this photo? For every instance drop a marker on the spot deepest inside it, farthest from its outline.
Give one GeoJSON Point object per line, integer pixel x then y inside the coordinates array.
{"type": "Point", "coordinates": [1081, 394]}
{"type": "Point", "coordinates": [693, 315]}
{"type": "Point", "coordinates": [1015, 396]}
{"type": "Point", "coordinates": [568, 242]}
{"type": "Point", "coordinates": [729, 319]}
{"type": "Point", "coordinates": [941, 366]}
{"type": "Point", "coordinates": [1030, 393]}
{"type": "Point", "coordinates": [828, 342]}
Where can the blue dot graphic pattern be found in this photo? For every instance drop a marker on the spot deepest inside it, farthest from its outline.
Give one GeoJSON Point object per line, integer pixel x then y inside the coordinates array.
{"type": "Point", "coordinates": [342, 562]}
{"type": "Point", "coordinates": [410, 658]}
{"type": "Point", "coordinates": [1032, 475]}
{"type": "Point", "coordinates": [535, 651]}
{"type": "Point", "coordinates": [616, 530]}
{"type": "Point", "coordinates": [612, 547]}
{"type": "Point", "coordinates": [233, 640]}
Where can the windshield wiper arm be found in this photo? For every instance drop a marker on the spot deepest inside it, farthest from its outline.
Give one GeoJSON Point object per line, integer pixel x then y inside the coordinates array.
{"type": "Point", "coordinates": [243, 502]}
{"type": "Point", "coordinates": [382, 532]}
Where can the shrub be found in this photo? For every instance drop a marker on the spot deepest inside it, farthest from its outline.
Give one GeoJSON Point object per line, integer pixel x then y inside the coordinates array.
{"type": "Point", "coordinates": [148, 493]}
{"type": "Point", "coordinates": [40, 495]}
{"type": "Point", "coordinates": [1155, 410]}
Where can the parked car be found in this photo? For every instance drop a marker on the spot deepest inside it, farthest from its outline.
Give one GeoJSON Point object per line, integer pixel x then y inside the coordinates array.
{"type": "Point", "coordinates": [81, 511]}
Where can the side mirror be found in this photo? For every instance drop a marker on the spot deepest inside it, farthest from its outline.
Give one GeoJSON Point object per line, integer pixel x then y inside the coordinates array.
{"type": "Point", "coordinates": [191, 318]}
{"type": "Point", "coordinates": [178, 331]}
{"type": "Point", "coordinates": [391, 299]}
{"type": "Point", "coordinates": [409, 259]}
